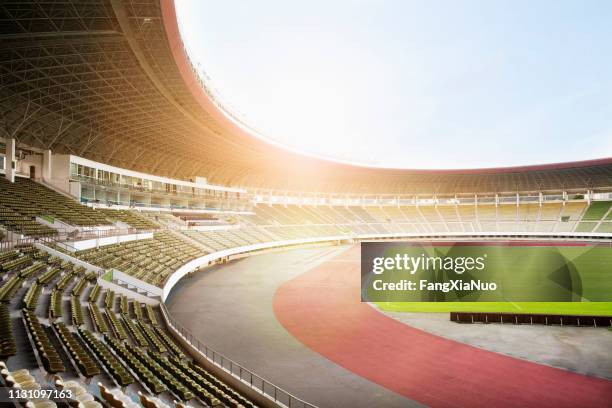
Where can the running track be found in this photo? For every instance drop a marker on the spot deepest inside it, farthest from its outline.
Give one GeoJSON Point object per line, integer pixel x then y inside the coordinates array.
{"type": "Point", "coordinates": [321, 309]}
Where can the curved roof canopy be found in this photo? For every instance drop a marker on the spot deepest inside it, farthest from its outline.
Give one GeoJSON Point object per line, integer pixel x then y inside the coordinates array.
{"type": "Point", "coordinates": [110, 81]}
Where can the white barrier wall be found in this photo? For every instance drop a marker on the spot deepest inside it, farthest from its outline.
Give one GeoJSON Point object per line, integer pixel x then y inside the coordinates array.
{"type": "Point", "coordinates": [136, 283]}
{"type": "Point", "coordinates": [118, 289]}
{"type": "Point", "coordinates": [488, 235]}
{"type": "Point", "coordinates": [69, 258]}
{"type": "Point", "coordinates": [57, 224]}
{"type": "Point", "coordinates": [97, 242]}
{"type": "Point", "coordinates": [214, 227]}
{"type": "Point", "coordinates": [210, 258]}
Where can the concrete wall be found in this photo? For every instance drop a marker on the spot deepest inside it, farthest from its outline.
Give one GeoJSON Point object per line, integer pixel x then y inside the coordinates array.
{"type": "Point", "coordinates": [136, 283]}
{"type": "Point", "coordinates": [118, 289]}
{"type": "Point", "coordinates": [214, 227]}
{"type": "Point", "coordinates": [227, 253]}
{"type": "Point", "coordinates": [98, 242]}
{"type": "Point", "coordinates": [57, 224]}
{"type": "Point", "coordinates": [60, 163]}
{"type": "Point", "coordinates": [69, 258]}
{"type": "Point", "coordinates": [23, 166]}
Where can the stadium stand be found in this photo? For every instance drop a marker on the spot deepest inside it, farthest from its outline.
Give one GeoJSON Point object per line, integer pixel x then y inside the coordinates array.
{"type": "Point", "coordinates": [154, 260]}
{"type": "Point", "coordinates": [302, 221]}
{"type": "Point", "coordinates": [30, 200]}
{"type": "Point", "coordinates": [150, 260]}
{"type": "Point", "coordinates": [595, 217]}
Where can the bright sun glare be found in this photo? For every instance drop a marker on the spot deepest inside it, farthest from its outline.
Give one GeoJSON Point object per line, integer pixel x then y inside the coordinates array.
{"type": "Point", "coordinates": [413, 84]}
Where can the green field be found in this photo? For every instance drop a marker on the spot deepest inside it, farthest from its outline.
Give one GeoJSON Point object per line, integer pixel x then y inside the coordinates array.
{"type": "Point", "coordinates": [570, 308]}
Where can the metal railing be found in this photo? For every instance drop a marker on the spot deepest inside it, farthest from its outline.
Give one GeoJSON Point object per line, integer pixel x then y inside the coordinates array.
{"type": "Point", "coordinates": [27, 241]}
{"type": "Point", "coordinates": [75, 235]}
{"type": "Point", "coordinates": [64, 236]}
{"type": "Point", "coordinates": [134, 287]}
{"type": "Point", "coordinates": [188, 192]}
{"type": "Point", "coordinates": [246, 376]}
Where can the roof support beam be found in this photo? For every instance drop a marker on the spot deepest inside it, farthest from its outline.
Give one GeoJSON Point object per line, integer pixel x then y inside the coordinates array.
{"type": "Point", "coordinates": [124, 23]}
{"type": "Point", "coordinates": [57, 34]}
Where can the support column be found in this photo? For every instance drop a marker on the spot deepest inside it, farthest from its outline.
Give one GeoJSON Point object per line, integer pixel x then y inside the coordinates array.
{"type": "Point", "coordinates": [9, 160]}
{"type": "Point", "coordinates": [47, 168]}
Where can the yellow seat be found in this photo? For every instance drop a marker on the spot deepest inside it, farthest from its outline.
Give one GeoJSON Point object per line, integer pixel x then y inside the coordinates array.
{"type": "Point", "coordinates": [41, 404]}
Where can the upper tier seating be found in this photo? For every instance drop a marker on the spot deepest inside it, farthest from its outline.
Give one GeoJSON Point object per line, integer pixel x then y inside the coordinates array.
{"type": "Point", "coordinates": [164, 219]}
{"type": "Point", "coordinates": [597, 210]}
{"type": "Point", "coordinates": [133, 218]}
{"type": "Point", "coordinates": [12, 218]}
{"type": "Point", "coordinates": [24, 200]}
{"type": "Point", "coordinates": [597, 217]}
{"type": "Point", "coordinates": [443, 218]}
{"type": "Point", "coordinates": [282, 223]}
{"type": "Point", "coordinates": [155, 259]}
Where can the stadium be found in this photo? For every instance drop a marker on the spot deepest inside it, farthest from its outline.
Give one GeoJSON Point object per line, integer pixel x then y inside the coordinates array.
{"type": "Point", "coordinates": [156, 251]}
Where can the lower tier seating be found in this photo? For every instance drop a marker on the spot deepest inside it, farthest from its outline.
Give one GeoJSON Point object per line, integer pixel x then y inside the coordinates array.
{"type": "Point", "coordinates": [150, 260]}
{"type": "Point", "coordinates": [80, 355]}
{"type": "Point", "coordinates": [130, 348]}
{"type": "Point", "coordinates": [8, 346]}
{"type": "Point", "coordinates": [111, 363]}
{"type": "Point", "coordinates": [47, 352]}
{"type": "Point", "coordinates": [150, 380]}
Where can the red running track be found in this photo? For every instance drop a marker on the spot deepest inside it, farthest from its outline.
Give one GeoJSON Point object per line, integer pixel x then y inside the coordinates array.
{"type": "Point", "coordinates": [322, 309]}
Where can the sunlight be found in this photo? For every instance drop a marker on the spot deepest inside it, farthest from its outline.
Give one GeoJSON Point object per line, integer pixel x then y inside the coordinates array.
{"type": "Point", "coordinates": [398, 84]}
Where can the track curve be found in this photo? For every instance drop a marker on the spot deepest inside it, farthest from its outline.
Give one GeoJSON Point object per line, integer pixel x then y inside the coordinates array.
{"type": "Point", "coordinates": [321, 308]}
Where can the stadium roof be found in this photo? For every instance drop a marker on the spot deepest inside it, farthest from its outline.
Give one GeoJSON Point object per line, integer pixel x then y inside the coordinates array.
{"type": "Point", "coordinates": [109, 80]}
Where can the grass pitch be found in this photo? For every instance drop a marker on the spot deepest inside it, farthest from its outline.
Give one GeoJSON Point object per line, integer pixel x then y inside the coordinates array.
{"type": "Point", "coordinates": [567, 308]}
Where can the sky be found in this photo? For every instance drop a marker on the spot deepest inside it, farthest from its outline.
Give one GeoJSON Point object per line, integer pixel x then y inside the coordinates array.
{"type": "Point", "coordinates": [413, 84]}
